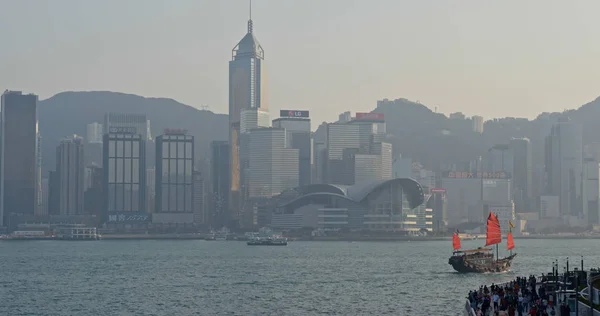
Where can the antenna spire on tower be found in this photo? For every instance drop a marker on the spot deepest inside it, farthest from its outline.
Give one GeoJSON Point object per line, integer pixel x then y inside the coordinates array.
{"type": "Point", "coordinates": [250, 20]}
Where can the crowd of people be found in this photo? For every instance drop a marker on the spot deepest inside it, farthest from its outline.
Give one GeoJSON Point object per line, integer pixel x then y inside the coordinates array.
{"type": "Point", "coordinates": [522, 297]}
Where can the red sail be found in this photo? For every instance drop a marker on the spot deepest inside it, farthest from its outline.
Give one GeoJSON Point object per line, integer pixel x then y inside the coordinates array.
{"type": "Point", "coordinates": [493, 234]}
{"type": "Point", "coordinates": [456, 241]}
{"type": "Point", "coordinates": [510, 242]}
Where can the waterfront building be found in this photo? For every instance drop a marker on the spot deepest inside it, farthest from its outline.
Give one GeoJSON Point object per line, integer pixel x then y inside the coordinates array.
{"type": "Point", "coordinates": [219, 181]}
{"type": "Point", "coordinates": [53, 193]}
{"type": "Point", "coordinates": [379, 205]}
{"type": "Point", "coordinates": [125, 178]}
{"type": "Point", "coordinates": [251, 118]}
{"type": "Point", "coordinates": [273, 164]}
{"type": "Point", "coordinates": [151, 189]}
{"type": "Point", "coordinates": [549, 206]}
{"type": "Point", "coordinates": [43, 210]}
{"type": "Point", "coordinates": [174, 185]}
{"type": "Point", "coordinates": [522, 178]}
{"type": "Point", "coordinates": [93, 197]}
{"type": "Point", "coordinates": [297, 126]}
{"type": "Point", "coordinates": [465, 192]}
{"type": "Point", "coordinates": [70, 171]}
{"type": "Point", "coordinates": [359, 140]}
{"type": "Point", "coordinates": [564, 159]}
{"type": "Point", "coordinates": [114, 122]}
{"type": "Point", "coordinates": [247, 89]}
{"type": "Point", "coordinates": [591, 191]}
{"type": "Point", "coordinates": [200, 215]}
{"type": "Point", "coordinates": [19, 181]}
{"type": "Point", "coordinates": [340, 137]}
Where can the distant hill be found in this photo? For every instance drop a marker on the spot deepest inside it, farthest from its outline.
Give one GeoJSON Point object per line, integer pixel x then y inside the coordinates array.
{"type": "Point", "coordinates": [68, 113]}
{"type": "Point", "coordinates": [434, 139]}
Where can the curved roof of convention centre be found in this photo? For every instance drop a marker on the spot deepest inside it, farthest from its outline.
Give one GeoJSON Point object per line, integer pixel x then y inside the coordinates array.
{"type": "Point", "coordinates": [359, 193]}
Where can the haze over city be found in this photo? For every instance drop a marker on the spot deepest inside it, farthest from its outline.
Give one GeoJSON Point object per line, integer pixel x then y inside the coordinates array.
{"type": "Point", "coordinates": [497, 59]}
{"type": "Point", "coordinates": [399, 154]}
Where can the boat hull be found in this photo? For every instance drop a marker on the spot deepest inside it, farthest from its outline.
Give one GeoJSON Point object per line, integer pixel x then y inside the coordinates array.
{"type": "Point", "coordinates": [464, 264]}
{"type": "Point", "coordinates": [266, 243]}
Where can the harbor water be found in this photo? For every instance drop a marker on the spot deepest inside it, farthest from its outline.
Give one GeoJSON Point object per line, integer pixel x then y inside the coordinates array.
{"type": "Point", "coordinates": [196, 277]}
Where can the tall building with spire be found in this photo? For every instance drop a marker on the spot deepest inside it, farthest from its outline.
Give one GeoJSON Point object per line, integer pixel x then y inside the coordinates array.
{"type": "Point", "coordinates": [247, 90]}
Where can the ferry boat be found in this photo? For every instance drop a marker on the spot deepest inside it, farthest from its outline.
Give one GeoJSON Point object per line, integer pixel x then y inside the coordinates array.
{"type": "Point", "coordinates": [27, 235]}
{"type": "Point", "coordinates": [78, 233]}
{"type": "Point", "coordinates": [222, 234]}
{"type": "Point", "coordinates": [481, 260]}
{"type": "Point", "coordinates": [267, 241]}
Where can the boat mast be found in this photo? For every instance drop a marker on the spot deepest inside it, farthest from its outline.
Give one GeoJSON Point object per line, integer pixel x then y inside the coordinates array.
{"type": "Point", "coordinates": [497, 255]}
{"type": "Point", "coordinates": [510, 232]}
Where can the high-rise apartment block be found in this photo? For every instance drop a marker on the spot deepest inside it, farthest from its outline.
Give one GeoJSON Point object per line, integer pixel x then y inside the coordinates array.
{"type": "Point", "coordinates": [477, 122]}
{"type": "Point", "coordinates": [94, 133]}
{"type": "Point", "coordinates": [70, 171]}
{"type": "Point", "coordinates": [18, 154]}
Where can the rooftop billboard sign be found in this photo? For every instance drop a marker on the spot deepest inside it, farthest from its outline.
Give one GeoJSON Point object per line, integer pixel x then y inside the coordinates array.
{"type": "Point", "coordinates": [293, 113]}
{"type": "Point", "coordinates": [478, 175]}
{"type": "Point", "coordinates": [175, 131]}
{"type": "Point", "coordinates": [122, 130]}
{"type": "Point", "coordinates": [369, 116]}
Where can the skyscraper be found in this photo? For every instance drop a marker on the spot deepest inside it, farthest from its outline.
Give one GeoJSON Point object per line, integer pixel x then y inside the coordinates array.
{"type": "Point", "coordinates": [340, 138]}
{"type": "Point", "coordinates": [500, 158]}
{"type": "Point", "coordinates": [250, 119]}
{"type": "Point", "coordinates": [115, 121]}
{"type": "Point", "coordinates": [125, 177]}
{"type": "Point", "coordinates": [247, 89]}
{"type": "Point", "coordinates": [94, 133]}
{"type": "Point", "coordinates": [200, 216]}
{"type": "Point", "coordinates": [273, 164]}
{"type": "Point", "coordinates": [298, 133]}
{"type": "Point", "coordinates": [477, 124]}
{"type": "Point", "coordinates": [18, 154]}
{"type": "Point", "coordinates": [358, 146]}
{"type": "Point", "coordinates": [219, 180]}
{"type": "Point", "coordinates": [174, 183]}
{"type": "Point", "coordinates": [70, 171]}
{"type": "Point", "coordinates": [522, 177]}
{"type": "Point", "coordinates": [564, 159]}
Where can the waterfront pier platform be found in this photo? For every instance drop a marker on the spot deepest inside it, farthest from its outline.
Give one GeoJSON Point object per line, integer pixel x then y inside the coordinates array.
{"type": "Point", "coordinates": [564, 294]}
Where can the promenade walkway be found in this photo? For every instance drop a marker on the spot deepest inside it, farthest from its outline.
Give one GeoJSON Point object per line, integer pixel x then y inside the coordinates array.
{"type": "Point", "coordinates": [518, 297]}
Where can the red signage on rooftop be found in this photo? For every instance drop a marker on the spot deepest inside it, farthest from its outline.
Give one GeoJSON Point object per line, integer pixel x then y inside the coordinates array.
{"type": "Point", "coordinates": [369, 116]}
{"type": "Point", "coordinates": [438, 190]}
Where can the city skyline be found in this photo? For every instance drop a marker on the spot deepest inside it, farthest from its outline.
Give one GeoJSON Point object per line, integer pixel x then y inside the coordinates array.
{"type": "Point", "coordinates": [487, 80]}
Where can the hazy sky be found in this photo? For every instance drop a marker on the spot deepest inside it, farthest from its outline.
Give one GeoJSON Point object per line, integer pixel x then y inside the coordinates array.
{"type": "Point", "coordinates": [492, 58]}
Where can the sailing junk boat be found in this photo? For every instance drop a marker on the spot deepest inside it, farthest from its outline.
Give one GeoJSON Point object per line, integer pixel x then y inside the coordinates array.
{"type": "Point", "coordinates": [482, 260]}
